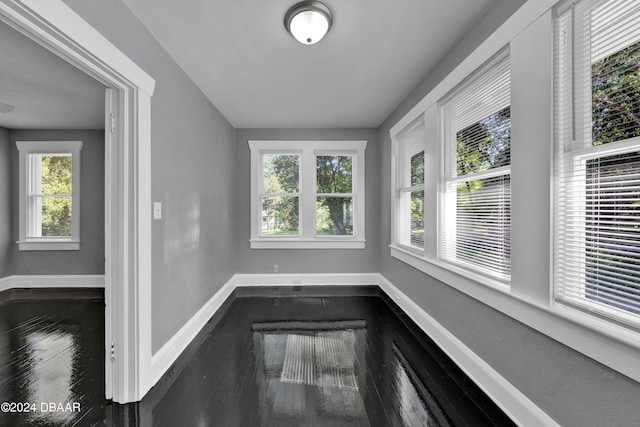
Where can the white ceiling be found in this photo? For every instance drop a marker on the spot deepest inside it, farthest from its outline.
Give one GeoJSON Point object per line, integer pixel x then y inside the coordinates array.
{"type": "Point", "coordinates": [240, 55]}
{"type": "Point", "coordinates": [46, 91]}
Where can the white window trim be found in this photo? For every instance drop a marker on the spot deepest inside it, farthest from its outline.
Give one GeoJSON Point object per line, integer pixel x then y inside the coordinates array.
{"type": "Point", "coordinates": [307, 150]}
{"type": "Point", "coordinates": [574, 161]}
{"type": "Point", "coordinates": [449, 177]}
{"type": "Point", "coordinates": [398, 155]}
{"type": "Point", "coordinates": [529, 300]}
{"type": "Point", "coordinates": [30, 243]}
{"type": "Point", "coordinates": [575, 148]}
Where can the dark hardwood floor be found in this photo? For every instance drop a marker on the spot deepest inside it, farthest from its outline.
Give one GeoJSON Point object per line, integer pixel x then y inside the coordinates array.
{"type": "Point", "coordinates": [270, 357]}
{"type": "Point", "coordinates": [51, 352]}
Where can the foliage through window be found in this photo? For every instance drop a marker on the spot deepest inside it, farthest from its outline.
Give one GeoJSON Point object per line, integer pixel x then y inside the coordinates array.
{"type": "Point", "coordinates": [334, 195]}
{"type": "Point", "coordinates": [485, 144]}
{"type": "Point", "coordinates": [49, 197]}
{"type": "Point", "coordinates": [417, 199]}
{"type": "Point", "coordinates": [616, 96]}
{"type": "Point", "coordinates": [598, 160]}
{"type": "Point", "coordinates": [310, 193]}
{"type": "Point", "coordinates": [409, 209]}
{"type": "Point", "coordinates": [476, 215]}
{"type": "Point", "coordinates": [280, 199]}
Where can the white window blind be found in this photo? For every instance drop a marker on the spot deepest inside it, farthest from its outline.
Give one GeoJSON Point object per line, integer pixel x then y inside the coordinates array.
{"type": "Point", "coordinates": [597, 159]}
{"type": "Point", "coordinates": [410, 212]}
{"type": "Point", "coordinates": [475, 216]}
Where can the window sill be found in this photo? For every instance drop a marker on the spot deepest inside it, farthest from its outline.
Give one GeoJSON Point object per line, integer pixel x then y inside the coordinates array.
{"type": "Point", "coordinates": [435, 268]}
{"type": "Point", "coordinates": [49, 245]}
{"type": "Point", "coordinates": [307, 244]}
{"type": "Point", "coordinates": [613, 345]}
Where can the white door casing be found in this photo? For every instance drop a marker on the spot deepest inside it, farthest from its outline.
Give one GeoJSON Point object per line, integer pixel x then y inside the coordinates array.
{"type": "Point", "coordinates": [54, 25]}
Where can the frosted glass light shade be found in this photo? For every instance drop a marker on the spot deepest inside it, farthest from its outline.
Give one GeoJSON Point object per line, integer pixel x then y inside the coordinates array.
{"type": "Point", "coordinates": [308, 21]}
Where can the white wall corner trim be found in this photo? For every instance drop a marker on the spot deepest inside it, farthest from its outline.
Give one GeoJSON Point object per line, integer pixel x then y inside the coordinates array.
{"type": "Point", "coordinates": [511, 400]}
{"type": "Point", "coordinates": [51, 281]}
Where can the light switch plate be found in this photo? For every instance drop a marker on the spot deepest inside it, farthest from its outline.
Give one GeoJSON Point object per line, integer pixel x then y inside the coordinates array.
{"type": "Point", "coordinates": [157, 210]}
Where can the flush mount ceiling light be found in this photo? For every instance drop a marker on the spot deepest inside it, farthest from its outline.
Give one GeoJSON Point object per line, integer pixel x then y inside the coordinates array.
{"type": "Point", "coordinates": [308, 21]}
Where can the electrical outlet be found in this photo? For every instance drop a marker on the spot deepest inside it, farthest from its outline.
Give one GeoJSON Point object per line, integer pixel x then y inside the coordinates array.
{"type": "Point", "coordinates": [275, 268]}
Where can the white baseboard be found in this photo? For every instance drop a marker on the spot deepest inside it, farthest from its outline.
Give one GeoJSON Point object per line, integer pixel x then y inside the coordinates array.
{"type": "Point", "coordinates": [511, 400]}
{"type": "Point", "coordinates": [325, 279]}
{"type": "Point", "coordinates": [162, 360]}
{"type": "Point", "coordinates": [51, 281]}
{"type": "Point", "coordinates": [522, 410]}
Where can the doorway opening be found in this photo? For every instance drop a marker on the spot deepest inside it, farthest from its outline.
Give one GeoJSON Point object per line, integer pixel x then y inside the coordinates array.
{"type": "Point", "coordinates": [60, 30]}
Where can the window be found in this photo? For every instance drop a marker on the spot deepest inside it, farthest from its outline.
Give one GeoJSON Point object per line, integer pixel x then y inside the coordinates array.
{"type": "Point", "coordinates": [334, 195]}
{"type": "Point", "coordinates": [409, 196]}
{"type": "Point", "coordinates": [280, 194]}
{"type": "Point", "coordinates": [566, 187]}
{"type": "Point", "coordinates": [49, 195]}
{"type": "Point", "coordinates": [307, 194]}
{"type": "Point", "coordinates": [597, 159]}
{"type": "Point", "coordinates": [475, 216]}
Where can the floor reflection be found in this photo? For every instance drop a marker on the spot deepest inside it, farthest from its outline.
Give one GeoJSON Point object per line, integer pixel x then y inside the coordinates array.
{"type": "Point", "coordinates": [308, 374]}
{"type": "Point", "coordinates": [51, 358]}
{"type": "Point", "coordinates": [51, 355]}
{"type": "Point", "coordinates": [316, 362]}
{"type": "Point", "coordinates": [261, 361]}
{"type": "Point", "coordinates": [416, 404]}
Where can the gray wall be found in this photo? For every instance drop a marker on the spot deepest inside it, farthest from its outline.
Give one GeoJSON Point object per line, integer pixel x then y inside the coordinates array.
{"type": "Point", "coordinates": [307, 260]}
{"type": "Point", "coordinates": [570, 387]}
{"type": "Point", "coordinates": [5, 203]}
{"type": "Point", "coordinates": [90, 258]}
{"type": "Point", "coordinates": [193, 156]}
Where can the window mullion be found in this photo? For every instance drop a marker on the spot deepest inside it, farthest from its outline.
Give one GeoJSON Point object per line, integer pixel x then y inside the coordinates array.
{"type": "Point", "coordinates": [335, 194]}
{"type": "Point", "coordinates": [37, 189]}
{"type": "Point", "coordinates": [419, 187]}
{"type": "Point", "coordinates": [279, 195]}
{"type": "Point", "coordinates": [307, 194]}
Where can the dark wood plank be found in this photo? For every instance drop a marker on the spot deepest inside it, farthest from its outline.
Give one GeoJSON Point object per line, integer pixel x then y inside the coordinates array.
{"type": "Point", "coordinates": [273, 358]}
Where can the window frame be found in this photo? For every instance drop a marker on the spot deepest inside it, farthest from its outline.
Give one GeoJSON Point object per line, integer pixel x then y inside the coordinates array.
{"type": "Point", "coordinates": [263, 194]}
{"type": "Point", "coordinates": [448, 233]}
{"type": "Point", "coordinates": [308, 150]}
{"type": "Point", "coordinates": [574, 148]}
{"type": "Point", "coordinates": [317, 195]}
{"type": "Point", "coordinates": [403, 152]}
{"type": "Point", "coordinates": [27, 214]}
{"type": "Point", "coordinates": [529, 33]}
